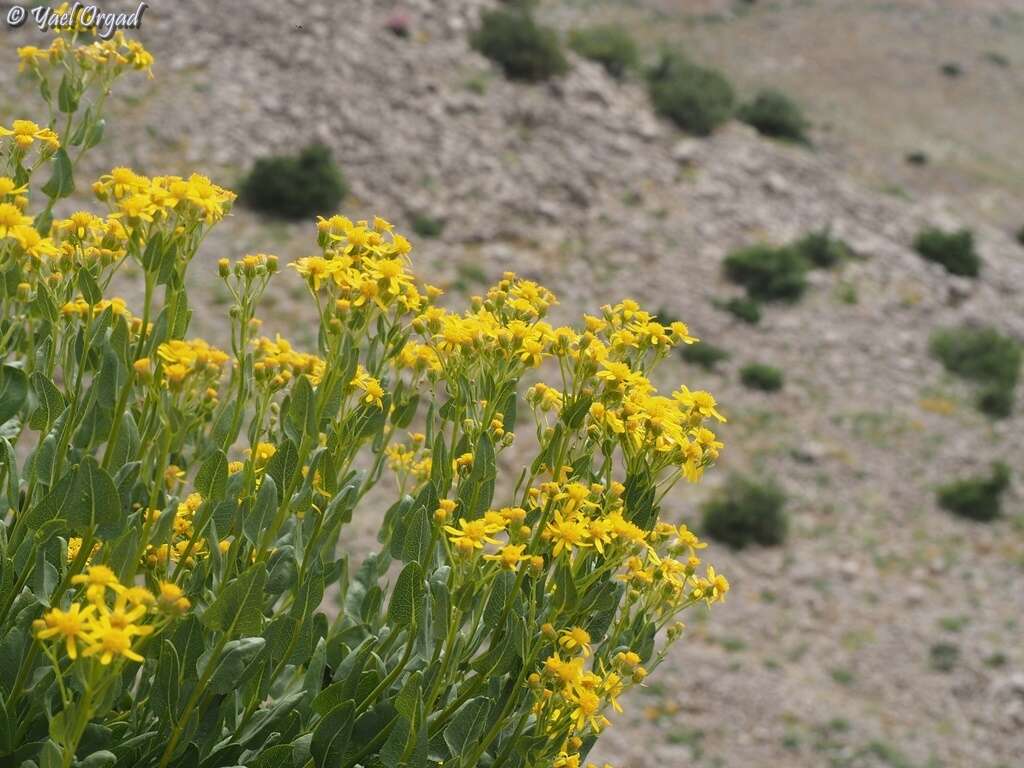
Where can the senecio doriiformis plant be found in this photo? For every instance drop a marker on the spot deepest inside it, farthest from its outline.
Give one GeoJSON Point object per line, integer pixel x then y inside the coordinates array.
{"type": "Point", "coordinates": [171, 511]}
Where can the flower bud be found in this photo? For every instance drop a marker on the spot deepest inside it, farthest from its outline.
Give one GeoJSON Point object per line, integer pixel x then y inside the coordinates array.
{"type": "Point", "coordinates": [24, 291]}
{"type": "Point", "coordinates": [142, 369]}
{"type": "Point", "coordinates": [548, 631]}
{"type": "Point", "coordinates": [223, 267]}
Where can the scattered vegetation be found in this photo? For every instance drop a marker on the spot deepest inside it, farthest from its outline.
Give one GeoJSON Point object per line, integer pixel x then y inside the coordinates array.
{"type": "Point", "coordinates": [295, 186]}
{"type": "Point", "coordinates": [695, 98]}
{"type": "Point", "coordinates": [985, 356]}
{"type": "Point", "coordinates": [977, 498]}
{"type": "Point", "coordinates": [426, 225]}
{"type": "Point", "coordinates": [953, 250]}
{"type": "Point", "coordinates": [609, 45]}
{"type": "Point", "coordinates": [766, 378]}
{"type": "Point", "coordinates": [943, 657]}
{"type": "Point", "coordinates": [951, 69]}
{"type": "Point", "coordinates": [768, 273]}
{"type": "Point", "coordinates": [747, 511]}
{"type": "Point", "coordinates": [744, 308]}
{"type": "Point", "coordinates": [524, 49]}
{"type": "Point", "coordinates": [1020, 236]}
{"type": "Point", "coordinates": [704, 354]}
{"type": "Point", "coordinates": [776, 115]}
{"type": "Point", "coordinates": [820, 249]}
{"type": "Point", "coordinates": [917, 157]}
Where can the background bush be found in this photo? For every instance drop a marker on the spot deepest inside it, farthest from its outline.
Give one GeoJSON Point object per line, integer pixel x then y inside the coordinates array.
{"type": "Point", "coordinates": [766, 378]}
{"type": "Point", "coordinates": [426, 225]}
{"type": "Point", "coordinates": [976, 498]}
{"type": "Point", "coordinates": [744, 308]}
{"type": "Point", "coordinates": [747, 511]}
{"type": "Point", "coordinates": [295, 186]}
{"type": "Point", "coordinates": [609, 45]}
{"type": "Point", "coordinates": [704, 354]}
{"type": "Point", "coordinates": [695, 98]}
{"type": "Point", "coordinates": [985, 356]}
{"type": "Point", "coordinates": [768, 273]}
{"type": "Point", "coordinates": [774, 114]}
{"type": "Point", "coordinates": [953, 250]}
{"type": "Point", "coordinates": [821, 249]}
{"type": "Point", "coordinates": [524, 49]}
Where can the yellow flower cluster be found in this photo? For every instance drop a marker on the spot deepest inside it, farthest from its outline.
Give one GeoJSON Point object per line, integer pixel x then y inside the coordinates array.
{"type": "Point", "coordinates": [364, 264]}
{"type": "Point", "coordinates": [109, 57]}
{"type": "Point", "coordinates": [138, 200]}
{"type": "Point", "coordinates": [181, 544]}
{"type": "Point", "coordinates": [411, 460]}
{"type": "Point", "coordinates": [189, 363]}
{"type": "Point", "coordinates": [276, 361]}
{"type": "Point", "coordinates": [24, 133]}
{"type": "Point", "coordinates": [108, 629]}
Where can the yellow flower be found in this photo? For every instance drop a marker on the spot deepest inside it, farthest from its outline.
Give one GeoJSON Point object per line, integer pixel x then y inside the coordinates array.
{"type": "Point", "coordinates": [566, 533]}
{"type": "Point", "coordinates": [109, 641]}
{"type": "Point", "coordinates": [509, 556]}
{"type": "Point", "coordinates": [25, 132]}
{"type": "Point", "coordinates": [472, 534]}
{"type": "Point", "coordinates": [98, 579]}
{"type": "Point", "coordinates": [575, 639]}
{"type": "Point", "coordinates": [72, 625]}
{"type": "Point", "coordinates": [11, 218]}
{"type": "Point", "coordinates": [587, 710]}
{"type": "Point", "coordinates": [171, 599]}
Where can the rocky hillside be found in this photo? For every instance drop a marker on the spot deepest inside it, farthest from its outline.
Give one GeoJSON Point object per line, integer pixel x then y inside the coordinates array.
{"type": "Point", "coordinates": [824, 654]}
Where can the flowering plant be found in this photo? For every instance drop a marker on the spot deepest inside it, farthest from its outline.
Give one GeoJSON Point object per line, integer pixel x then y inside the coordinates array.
{"type": "Point", "coordinates": [170, 512]}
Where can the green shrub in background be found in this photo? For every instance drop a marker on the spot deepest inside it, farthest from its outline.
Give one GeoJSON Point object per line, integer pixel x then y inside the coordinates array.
{"type": "Point", "coordinates": [747, 511]}
{"type": "Point", "coordinates": [768, 273]}
{"type": "Point", "coordinates": [985, 356]}
{"type": "Point", "coordinates": [943, 657]}
{"type": "Point", "coordinates": [766, 378]}
{"type": "Point", "coordinates": [953, 250]}
{"type": "Point", "coordinates": [1020, 236]}
{"type": "Point", "coordinates": [695, 98]}
{"type": "Point", "coordinates": [426, 225]}
{"type": "Point", "coordinates": [977, 498]}
{"type": "Point", "coordinates": [704, 354]}
{"type": "Point", "coordinates": [776, 115]}
{"type": "Point", "coordinates": [295, 186]}
{"type": "Point", "coordinates": [820, 249]}
{"type": "Point", "coordinates": [744, 308]}
{"type": "Point", "coordinates": [524, 49]}
{"type": "Point", "coordinates": [608, 45]}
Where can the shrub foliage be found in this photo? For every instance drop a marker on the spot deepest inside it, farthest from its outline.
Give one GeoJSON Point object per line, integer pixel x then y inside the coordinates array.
{"type": "Point", "coordinates": [295, 186]}
{"type": "Point", "coordinates": [766, 378]}
{"type": "Point", "coordinates": [985, 356]}
{"type": "Point", "coordinates": [747, 511]}
{"type": "Point", "coordinates": [170, 511]}
{"type": "Point", "coordinates": [977, 498]}
{"type": "Point", "coordinates": [768, 273]}
{"type": "Point", "coordinates": [820, 249]}
{"type": "Point", "coordinates": [953, 250]}
{"type": "Point", "coordinates": [524, 49]}
{"type": "Point", "coordinates": [609, 45]}
{"type": "Point", "coordinates": [695, 98]}
{"type": "Point", "coordinates": [774, 114]}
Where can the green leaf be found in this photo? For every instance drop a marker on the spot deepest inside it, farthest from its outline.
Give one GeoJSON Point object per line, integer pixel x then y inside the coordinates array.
{"type": "Point", "coordinates": [259, 518]}
{"type": "Point", "coordinates": [238, 607]}
{"type": "Point", "coordinates": [501, 590]}
{"type": "Point", "coordinates": [332, 734]}
{"type": "Point", "coordinates": [50, 402]}
{"type": "Point", "coordinates": [13, 391]}
{"type": "Point", "coordinates": [237, 654]}
{"type": "Point", "coordinates": [212, 479]}
{"type": "Point", "coordinates": [67, 96]}
{"type": "Point", "coordinates": [62, 183]}
{"type": "Point", "coordinates": [91, 291]}
{"type": "Point", "coordinates": [416, 546]}
{"type": "Point", "coordinates": [406, 604]}
{"type": "Point", "coordinates": [95, 502]}
{"type": "Point", "coordinates": [467, 725]}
